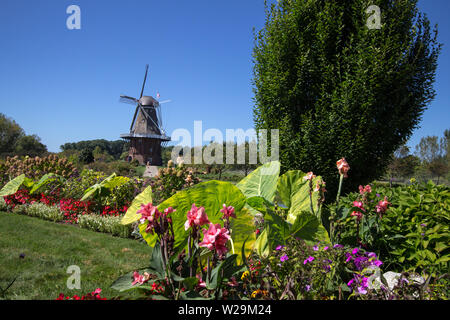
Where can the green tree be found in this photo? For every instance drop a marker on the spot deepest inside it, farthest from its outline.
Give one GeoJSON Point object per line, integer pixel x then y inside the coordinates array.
{"type": "Point", "coordinates": [10, 132]}
{"type": "Point", "coordinates": [336, 88]}
{"type": "Point", "coordinates": [433, 154]}
{"type": "Point", "coordinates": [403, 164]}
{"type": "Point", "coordinates": [30, 145]}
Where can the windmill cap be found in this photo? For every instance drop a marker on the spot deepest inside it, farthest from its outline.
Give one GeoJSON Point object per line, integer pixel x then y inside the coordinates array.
{"type": "Point", "coordinates": [148, 101]}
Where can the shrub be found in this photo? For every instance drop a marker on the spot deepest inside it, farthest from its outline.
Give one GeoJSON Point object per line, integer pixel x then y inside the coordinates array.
{"type": "Point", "coordinates": [110, 225]}
{"type": "Point", "coordinates": [43, 211]}
{"type": "Point", "coordinates": [412, 235]}
{"type": "Point", "coordinates": [170, 180]}
{"type": "Point", "coordinates": [36, 167]}
{"type": "Point", "coordinates": [3, 205]}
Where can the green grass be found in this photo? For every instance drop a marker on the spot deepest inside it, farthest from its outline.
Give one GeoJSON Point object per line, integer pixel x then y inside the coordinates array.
{"type": "Point", "coordinates": [50, 248]}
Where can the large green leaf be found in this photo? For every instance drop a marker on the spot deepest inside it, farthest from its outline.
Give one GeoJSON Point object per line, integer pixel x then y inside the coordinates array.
{"type": "Point", "coordinates": [104, 187]}
{"type": "Point", "coordinates": [262, 245]}
{"type": "Point", "coordinates": [144, 197]}
{"type": "Point", "coordinates": [261, 182]}
{"type": "Point", "coordinates": [46, 179]}
{"type": "Point", "coordinates": [12, 186]}
{"type": "Point", "coordinates": [293, 190]}
{"type": "Point", "coordinates": [308, 227]}
{"type": "Point", "coordinates": [211, 195]}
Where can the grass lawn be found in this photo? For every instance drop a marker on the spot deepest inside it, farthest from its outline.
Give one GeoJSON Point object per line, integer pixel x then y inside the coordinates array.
{"type": "Point", "coordinates": [50, 248]}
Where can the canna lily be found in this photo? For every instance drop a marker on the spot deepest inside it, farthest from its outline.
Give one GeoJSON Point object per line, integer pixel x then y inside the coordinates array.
{"type": "Point", "coordinates": [228, 212]}
{"type": "Point", "coordinates": [216, 238]}
{"type": "Point", "coordinates": [196, 217]}
{"type": "Point", "coordinates": [309, 176]}
{"type": "Point", "coordinates": [343, 167]}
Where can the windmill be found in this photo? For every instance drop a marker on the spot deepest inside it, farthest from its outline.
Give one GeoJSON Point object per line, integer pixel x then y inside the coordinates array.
{"type": "Point", "coordinates": [146, 131]}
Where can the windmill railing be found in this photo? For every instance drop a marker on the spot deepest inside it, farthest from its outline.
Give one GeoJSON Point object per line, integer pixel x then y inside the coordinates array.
{"type": "Point", "coordinates": [147, 135]}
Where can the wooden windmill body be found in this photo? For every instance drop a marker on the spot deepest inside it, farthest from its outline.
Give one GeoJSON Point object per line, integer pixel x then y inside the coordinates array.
{"type": "Point", "coordinates": [147, 135]}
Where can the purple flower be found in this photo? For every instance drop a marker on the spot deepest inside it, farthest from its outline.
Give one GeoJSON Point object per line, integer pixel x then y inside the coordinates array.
{"type": "Point", "coordinates": [423, 225]}
{"type": "Point", "coordinates": [315, 248]}
{"type": "Point", "coordinates": [377, 263]}
{"type": "Point", "coordinates": [355, 251]}
{"type": "Point", "coordinates": [350, 282]}
{"type": "Point", "coordinates": [309, 259]}
{"type": "Point", "coordinates": [378, 195]}
{"type": "Point", "coordinates": [349, 257]}
{"type": "Point", "coordinates": [338, 246]}
{"type": "Point", "coordinates": [307, 287]}
{"type": "Point", "coordinates": [278, 248]}
{"type": "Point", "coordinates": [325, 248]}
{"type": "Point", "coordinates": [284, 258]}
{"type": "Point", "coordinates": [372, 255]}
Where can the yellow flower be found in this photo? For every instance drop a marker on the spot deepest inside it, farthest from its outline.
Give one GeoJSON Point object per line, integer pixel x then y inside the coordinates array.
{"type": "Point", "coordinates": [244, 275]}
{"type": "Point", "coordinates": [255, 293]}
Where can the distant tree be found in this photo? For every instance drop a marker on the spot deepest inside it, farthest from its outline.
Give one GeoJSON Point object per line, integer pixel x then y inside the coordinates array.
{"type": "Point", "coordinates": [403, 164]}
{"type": "Point", "coordinates": [113, 148]}
{"type": "Point", "coordinates": [86, 156]}
{"type": "Point", "coordinates": [30, 146]}
{"type": "Point", "coordinates": [433, 154]}
{"type": "Point", "coordinates": [10, 132]}
{"type": "Point", "coordinates": [336, 88]}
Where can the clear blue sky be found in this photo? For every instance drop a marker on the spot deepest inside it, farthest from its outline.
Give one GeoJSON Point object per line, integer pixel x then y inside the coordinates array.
{"type": "Point", "coordinates": [64, 85]}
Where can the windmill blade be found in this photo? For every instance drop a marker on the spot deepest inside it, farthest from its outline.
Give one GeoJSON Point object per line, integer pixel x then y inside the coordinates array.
{"type": "Point", "coordinates": [127, 99]}
{"type": "Point", "coordinates": [134, 117]}
{"type": "Point", "coordinates": [165, 101]}
{"type": "Point", "coordinates": [145, 79]}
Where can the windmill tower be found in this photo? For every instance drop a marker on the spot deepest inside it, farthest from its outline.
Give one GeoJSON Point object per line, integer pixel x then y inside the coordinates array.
{"type": "Point", "coordinates": [147, 134]}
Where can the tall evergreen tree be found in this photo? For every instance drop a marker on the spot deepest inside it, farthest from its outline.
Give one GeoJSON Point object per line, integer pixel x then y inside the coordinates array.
{"type": "Point", "coordinates": [336, 88]}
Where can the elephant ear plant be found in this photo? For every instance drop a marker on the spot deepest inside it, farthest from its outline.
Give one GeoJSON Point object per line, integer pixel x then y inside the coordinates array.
{"type": "Point", "coordinates": [198, 236]}
{"type": "Point", "coordinates": [289, 205]}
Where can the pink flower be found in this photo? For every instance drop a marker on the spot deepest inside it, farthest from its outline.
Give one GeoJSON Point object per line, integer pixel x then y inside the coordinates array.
{"type": "Point", "coordinates": [196, 216]}
{"type": "Point", "coordinates": [216, 238]}
{"type": "Point", "coordinates": [309, 176]}
{"type": "Point", "coordinates": [382, 206]}
{"type": "Point", "coordinates": [343, 167]}
{"type": "Point", "coordinates": [228, 211]}
{"type": "Point", "coordinates": [201, 283]}
{"type": "Point", "coordinates": [151, 214]}
{"type": "Point", "coordinates": [357, 214]}
{"type": "Point", "coordinates": [97, 291]}
{"type": "Point", "coordinates": [169, 210]}
{"type": "Point", "coordinates": [148, 212]}
{"type": "Point", "coordinates": [137, 278]}
{"type": "Point", "coordinates": [359, 204]}
{"type": "Point", "coordinates": [365, 189]}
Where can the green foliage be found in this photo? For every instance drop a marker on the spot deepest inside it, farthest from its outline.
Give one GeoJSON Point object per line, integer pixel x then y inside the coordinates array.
{"type": "Point", "coordinates": [35, 168]}
{"type": "Point", "coordinates": [12, 186]}
{"type": "Point", "coordinates": [110, 225]}
{"type": "Point", "coordinates": [170, 180]}
{"type": "Point", "coordinates": [143, 198]}
{"type": "Point", "coordinates": [414, 232]}
{"type": "Point", "coordinates": [112, 148]}
{"type": "Point", "coordinates": [74, 188]}
{"type": "Point", "coordinates": [295, 192]}
{"type": "Point", "coordinates": [45, 212]}
{"type": "Point", "coordinates": [262, 182]}
{"type": "Point", "coordinates": [297, 213]}
{"type": "Point", "coordinates": [105, 187]}
{"type": "Point", "coordinates": [336, 86]}
{"type": "Point", "coordinates": [3, 205]}
{"type": "Point", "coordinates": [13, 140]}
{"type": "Point", "coordinates": [211, 195]}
